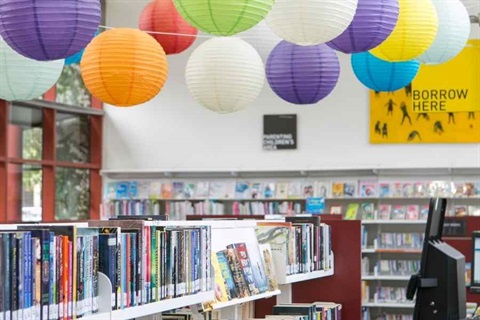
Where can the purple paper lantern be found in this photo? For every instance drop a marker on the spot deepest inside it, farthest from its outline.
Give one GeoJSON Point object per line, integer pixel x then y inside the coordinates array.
{"type": "Point", "coordinates": [302, 74]}
{"type": "Point", "coordinates": [49, 29]}
{"type": "Point", "coordinates": [372, 24]}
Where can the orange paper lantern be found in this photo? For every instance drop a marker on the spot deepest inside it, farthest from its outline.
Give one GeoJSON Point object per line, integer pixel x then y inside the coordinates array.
{"type": "Point", "coordinates": [162, 16]}
{"type": "Point", "coordinates": [124, 67]}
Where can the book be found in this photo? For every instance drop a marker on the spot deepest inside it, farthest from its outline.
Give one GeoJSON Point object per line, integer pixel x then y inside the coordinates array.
{"type": "Point", "coordinates": [349, 189]}
{"type": "Point", "coordinates": [267, 259]}
{"type": "Point", "coordinates": [474, 211]}
{"type": "Point", "coordinates": [269, 190]}
{"type": "Point", "coordinates": [368, 189]}
{"type": "Point", "coordinates": [352, 211]}
{"type": "Point", "coordinates": [419, 190]}
{"type": "Point", "coordinates": [258, 268]}
{"type": "Point", "coordinates": [408, 190]}
{"type": "Point", "coordinates": [167, 190]}
{"type": "Point", "coordinates": [323, 189]}
{"type": "Point", "coordinates": [396, 190]}
{"type": "Point", "coordinates": [413, 212]}
{"type": "Point", "coordinates": [337, 189]}
{"type": "Point", "coordinates": [143, 189]}
{"type": "Point", "coordinates": [246, 266]}
{"type": "Point", "coordinates": [189, 190]}
{"type": "Point", "coordinates": [282, 190]}
{"type": "Point", "coordinates": [424, 209]}
{"type": "Point", "coordinates": [237, 273]}
{"type": "Point", "coordinates": [399, 212]}
{"type": "Point", "coordinates": [384, 212]}
{"type": "Point", "coordinates": [227, 275]}
{"type": "Point", "coordinates": [202, 191]}
{"type": "Point", "coordinates": [384, 190]}
{"type": "Point", "coordinates": [155, 190]}
{"type": "Point", "coordinates": [337, 209]}
{"type": "Point", "coordinates": [278, 236]}
{"type": "Point", "coordinates": [299, 309]}
{"type": "Point", "coordinates": [220, 288]}
{"type": "Point", "coordinates": [256, 190]}
{"type": "Point", "coordinates": [308, 190]}
{"type": "Point", "coordinates": [461, 211]}
{"type": "Point", "coordinates": [178, 190]}
{"type": "Point", "coordinates": [294, 190]}
{"type": "Point", "coordinates": [367, 211]}
{"type": "Point", "coordinates": [242, 190]}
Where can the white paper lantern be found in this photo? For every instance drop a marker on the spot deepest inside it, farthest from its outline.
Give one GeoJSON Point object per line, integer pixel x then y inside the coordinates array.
{"type": "Point", "coordinates": [453, 32]}
{"type": "Point", "coordinates": [225, 74]}
{"type": "Point", "coordinates": [262, 38]}
{"type": "Point", "coordinates": [311, 22]}
{"type": "Point", "coordinates": [23, 78]}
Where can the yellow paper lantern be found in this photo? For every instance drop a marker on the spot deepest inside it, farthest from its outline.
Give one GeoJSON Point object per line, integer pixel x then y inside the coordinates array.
{"type": "Point", "coordinates": [414, 33]}
{"type": "Point", "coordinates": [124, 67]}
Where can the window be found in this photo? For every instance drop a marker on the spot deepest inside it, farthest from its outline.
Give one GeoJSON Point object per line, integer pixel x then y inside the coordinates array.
{"type": "Point", "coordinates": [50, 155]}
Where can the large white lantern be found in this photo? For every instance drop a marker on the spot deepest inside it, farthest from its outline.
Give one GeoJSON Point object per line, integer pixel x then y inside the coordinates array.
{"type": "Point", "coordinates": [225, 74]}
{"type": "Point", "coordinates": [453, 32]}
{"type": "Point", "coordinates": [23, 78]}
{"type": "Point", "coordinates": [311, 22]}
{"type": "Point", "coordinates": [262, 38]}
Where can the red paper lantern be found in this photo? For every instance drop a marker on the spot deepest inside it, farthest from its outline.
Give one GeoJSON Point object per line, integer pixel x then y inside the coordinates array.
{"type": "Point", "coordinates": [162, 16]}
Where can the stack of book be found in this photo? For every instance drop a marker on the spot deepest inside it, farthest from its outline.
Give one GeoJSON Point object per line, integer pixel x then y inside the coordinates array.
{"type": "Point", "coordinates": [49, 272]}
{"type": "Point", "coordinates": [390, 240]}
{"type": "Point", "coordinates": [306, 311]}
{"type": "Point", "coordinates": [301, 244]}
{"type": "Point", "coordinates": [147, 262]}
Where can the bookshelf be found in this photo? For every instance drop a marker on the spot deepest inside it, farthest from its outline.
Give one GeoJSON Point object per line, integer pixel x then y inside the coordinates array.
{"type": "Point", "coordinates": [388, 305]}
{"type": "Point", "coordinates": [386, 278]}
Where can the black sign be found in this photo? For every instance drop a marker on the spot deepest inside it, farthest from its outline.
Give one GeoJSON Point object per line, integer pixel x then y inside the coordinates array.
{"type": "Point", "coordinates": [454, 227]}
{"type": "Point", "coordinates": [280, 132]}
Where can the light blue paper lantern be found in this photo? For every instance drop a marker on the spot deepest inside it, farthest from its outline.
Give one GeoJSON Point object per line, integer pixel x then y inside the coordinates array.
{"type": "Point", "coordinates": [23, 78]}
{"type": "Point", "coordinates": [380, 75]}
{"type": "Point", "coordinates": [453, 32]}
{"type": "Point", "coordinates": [77, 57]}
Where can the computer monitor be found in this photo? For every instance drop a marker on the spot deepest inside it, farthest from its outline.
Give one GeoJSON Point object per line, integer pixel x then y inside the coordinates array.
{"type": "Point", "coordinates": [475, 282]}
{"type": "Point", "coordinates": [440, 284]}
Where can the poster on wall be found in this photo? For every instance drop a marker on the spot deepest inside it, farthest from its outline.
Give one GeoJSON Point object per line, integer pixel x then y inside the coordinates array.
{"type": "Point", "coordinates": [280, 132]}
{"type": "Point", "coordinates": [394, 120]}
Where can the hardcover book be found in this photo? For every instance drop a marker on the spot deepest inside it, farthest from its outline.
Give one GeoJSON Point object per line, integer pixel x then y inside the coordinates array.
{"type": "Point", "coordinates": [337, 190]}
{"type": "Point", "coordinates": [269, 190]}
{"type": "Point", "coordinates": [384, 212]}
{"type": "Point", "coordinates": [259, 273]}
{"type": "Point", "coordinates": [349, 190]}
{"type": "Point", "coordinates": [237, 272]}
{"type": "Point", "coordinates": [281, 190]}
{"type": "Point", "coordinates": [256, 190]}
{"type": "Point", "coordinates": [242, 190]}
{"type": "Point", "coordinates": [323, 189]}
{"type": "Point", "coordinates": [352, 211]}
{"type": "Point", "coordinates": [267, 259]}
{"type": "Point", "coordinates": [220, 288]}
{"type": "Point", "coordinates": [384, 190]}
{"type": "Point", "coordinates": [227, 276]}
{"type": "Point", "coordinates": [413, 212]}
{"type": "Point", "coordinates": [399, 212]}
{"type": "Point", "coordinates": [368, 189]}
{"type": "Point", "coordinates": [245, 263]}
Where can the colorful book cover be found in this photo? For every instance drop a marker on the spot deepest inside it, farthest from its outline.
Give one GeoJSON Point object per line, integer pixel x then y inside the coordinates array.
{"type": "Point", "coordinates": [384, 212]}
{"type": "Point", "coordinates": [245, 263]}
{"type": "Point", "coordinates": [384, 190]}
{"type": "Point", "coordinates": [474, 211]}
{"type": "Point", "coordinates": [167, 190]}
{"type": "Point", "coordinates": [468, 273]}
{"type": "Point", "coordinates": [278, 236]}
{"type": "Point", "coordinates": [256, 190]}
{"type": "Point", "coordinates": [227, 276]}
{"type": "Point", "coordinates": [238, 274]}
{"type": "Point", "coordinates": [143, 189]}
{"type": "Point", "coordinates": [368, 189]}
{"type": "Point", "coordinates": [308, 190]}
{"type": "Point", "coordinates": [302, 309]}
{"type": "Point", "coordinates": [424, 212]}
{"type": "Point", "coordinates": [202, 191]}
{"type": "Point", "coordinates": [281, 190]}
{"type": "Point", "coordinates": [396, 190]}
{"type": "Point", "coordinates": [399, 212]}
{"type": "Point", "coordinates": [349, 190]}
{"type": "Point", "coordinates": [178, 187]}
{"type": "Point", "coordinates": [132, 189]}
{"type": "Point", "coordinates": [461, 211]}
{"type": "Point", "coordinates": [242, 190]}
{"type": "Point", "coordinates": [419, 190]}
{"type": "Point", "coordinates": [367, 211]}
{"type": "Point", "coordinates": [294, 190]}
{"type": "Point", "coordinates": [259, 274]}
{"type": "Point", "coordinates": [189, 190]}
{"type": "Point", "coordinates": [267, 259]}
{"type": "Point", "coordinates": [413, 212]}
{"type": "Point", "coordinates": [408, 190]}
{"type": "Point", "coordinates": [337, 189]}
{"type": "Point", "coordinates": [220, 288]}
{"type": "Point", "coordinates": [218, 190]}
{"type": "Point", "coordinates": [476, 188]}
{"type": "Point", "coordinates": [155, 191]}
{"type": "Point", "coordinates": [121, 190]}
{"type": "Point", "coordinates": [469, 189]}
{"type": "Point", "coordinates": [269, 190]}
{"type": "Point", "coordinates": [458, 188]}
{"type": "Point", "coordinates": [352, 211]}
{"type": "Point", "coordinates": [323, 189]}
{"type": "Point", "coordinates": [336, 209]}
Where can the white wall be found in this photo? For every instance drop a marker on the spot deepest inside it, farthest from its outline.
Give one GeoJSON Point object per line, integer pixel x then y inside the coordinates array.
{"type": "Point", "coordinates": [173, 132]}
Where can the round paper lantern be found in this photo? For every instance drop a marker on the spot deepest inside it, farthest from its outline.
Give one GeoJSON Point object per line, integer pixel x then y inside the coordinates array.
{"type": "Point", "coordinates": [414, 33]}
{"type": "Point", "coordinates": [161, 16]}
{"type": "Point", "coordinates": [380, 75]}
{"type": "Point", "coordinates": [224, 17]}
{"type": "Point", "coordinates": [302, 74]}
{"type": "Point", "coordinates": [49, 29]}
{"type": "Point", "coordinates": [262, 38]}
{"type": "Point", "coordinates": [310, 22]}
{"type": "Point", "coordinates": [22, 78]}
{"type": "Point", "coordinates": [372, 24]}
{"type": "Point", "coordinates": [124, 67]}
{"type": "Point", "coordinates": [453, 32]}
{"type": "Point", "coordinates": [77, 57]}
{"type": "Point", "coordinates": [225, 74]}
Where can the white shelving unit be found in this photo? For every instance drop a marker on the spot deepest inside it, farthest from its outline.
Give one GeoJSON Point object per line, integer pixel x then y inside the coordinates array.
{"type": "Point", "coordinates": [386, 278]}
{"type": "Point", "coordinates": [235, 302]}
{"type": "Point", "coordinates": [388, 305]}
{"type": "Point", "coordinates": [396, 222]}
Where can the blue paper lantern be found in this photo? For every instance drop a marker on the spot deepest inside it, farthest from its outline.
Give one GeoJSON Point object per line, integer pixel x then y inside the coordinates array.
{"type": "Point", "coordinates": [77, 57]}
{"type": "Point", "coordinates": [380, 75]}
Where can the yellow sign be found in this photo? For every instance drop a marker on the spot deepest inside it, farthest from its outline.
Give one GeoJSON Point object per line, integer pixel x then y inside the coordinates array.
{"type": "Point", "coordinates": [453, 86]}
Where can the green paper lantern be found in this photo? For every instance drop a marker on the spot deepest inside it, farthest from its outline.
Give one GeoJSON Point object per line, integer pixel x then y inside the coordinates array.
{"type": "Point", "coordinates": [224, 17]}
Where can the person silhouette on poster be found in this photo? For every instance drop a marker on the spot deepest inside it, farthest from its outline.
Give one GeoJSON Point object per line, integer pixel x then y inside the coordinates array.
{"type": "Point", "coordinates": [471, 115]}
{"type": "Point", "coordinates": [389, 106]}
{"type": "Point", "coordinates": [408, 90]}
{"type": "Point", "coordinates": [403, 107]}
{"type": "Point", "coordinates": [384, 131]}
{"type": "Point", "coordinates": [378, 129]}
{"type": "Point", "coordinates": [424, 115]}
{"type": "Point", "coordinates": [451, 117]}
{"type": "Point", "coordinates": [438, 127]}
{"type": "Point", "coordinates": [414, 134]}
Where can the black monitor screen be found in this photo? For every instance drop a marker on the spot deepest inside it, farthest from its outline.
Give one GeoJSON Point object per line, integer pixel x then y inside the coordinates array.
{"type": "Point", "coordinates": [435, 219]}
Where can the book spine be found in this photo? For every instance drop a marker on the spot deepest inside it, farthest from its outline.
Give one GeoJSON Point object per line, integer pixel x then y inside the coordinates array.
{"type": "Point", "coordinates": [37, 277]}
{"type": "Point", "coordinates": [2, 276]}
{"type": "Point", "coordinates": [95, 275]}
{"type": "Point", "coordinates": [118, 278]}
{"type": "Point", "coordinates": [128, 273]}
{"type": "Point", "coordinates": [111, 262]}
{"type": "Point", "coordinates": [147, 295]}
{"type": "Point", "coordinates": [70, 304]}
{"type": "Point", "coordinates": [60, 277]}
{"type": "Point", "coordinates": [64, 276]}
{"type": "Point", "coordinates": [80, 278]}
{"type": "Point", "coordinates": [123, 273]}
{"type": "Point", "coordinates": [29, 293]}
{"type": "Point", "coordinates": [203, 265]}
{"type": "Point", "coordinates": [153, 266]}
{"type": "Point", "coordinates": [142, 266]}
{"type": "Point", "coordinates": [14, 280]}
{"type": "Point", "coordinates": [133, 271]}
{"type": "Point", "coordinates": [21, 277]}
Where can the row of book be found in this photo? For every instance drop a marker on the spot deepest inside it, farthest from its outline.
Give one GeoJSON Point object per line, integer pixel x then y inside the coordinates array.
{"type": "Point", "coordinates": [390, 295]}
{"type": "Point", "coordinates": [306, 311]}
{"type": "Point", "coordinates": [366, 315]}
{"type": "Point", "coordinates": [302, 244]}
{"type": "Point", "coordinates": [390, 267]}
{"type": "Point", "coordinates": [397, 240]}
{"type": "Point", "coordinates": [173, 261]}
{"type": "Point", "coordinates": [49, 272]}
{"type": "Point", "coordinates": [296, 189]}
